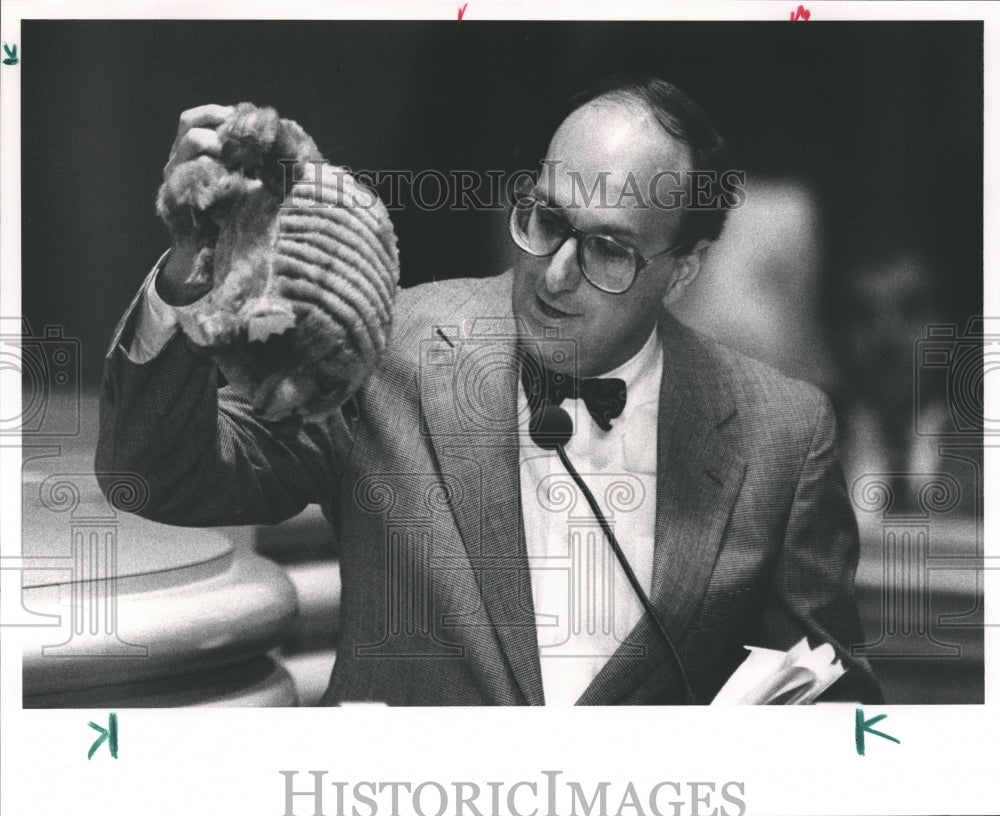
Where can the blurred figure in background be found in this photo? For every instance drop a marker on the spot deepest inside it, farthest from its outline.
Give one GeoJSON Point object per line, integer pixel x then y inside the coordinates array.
{"type": "Point", "coordinates": [760, 291]}
{"type": "Point", "coordinates": [879, 310]}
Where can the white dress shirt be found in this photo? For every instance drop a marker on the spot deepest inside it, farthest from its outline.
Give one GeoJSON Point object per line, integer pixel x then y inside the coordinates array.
{"type": "Point", "coordinates": [584, 604]}
{"type": "Point", "coordinates": [155, 323]}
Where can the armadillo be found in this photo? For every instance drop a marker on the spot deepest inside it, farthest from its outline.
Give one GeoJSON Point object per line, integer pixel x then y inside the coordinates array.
{"type": "Point", "coordinates": [302, 261]}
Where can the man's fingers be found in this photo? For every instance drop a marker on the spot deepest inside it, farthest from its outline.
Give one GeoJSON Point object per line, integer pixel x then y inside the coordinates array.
{"type": "Point", "coordinates": [196, 142]}
{"type": "Point", "coordinates": [204, 116]}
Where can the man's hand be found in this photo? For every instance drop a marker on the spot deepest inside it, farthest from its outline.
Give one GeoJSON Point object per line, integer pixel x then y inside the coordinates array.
{"type": "Point", "coordinates": [197, 136]}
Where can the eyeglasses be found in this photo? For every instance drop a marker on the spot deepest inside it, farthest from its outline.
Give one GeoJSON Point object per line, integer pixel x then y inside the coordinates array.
{"type": "Point", "coordinates": [540, 230]}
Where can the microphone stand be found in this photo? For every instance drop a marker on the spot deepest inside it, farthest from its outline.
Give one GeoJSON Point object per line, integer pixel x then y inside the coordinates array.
{"type": "Point", "coordinates": [552, 431]}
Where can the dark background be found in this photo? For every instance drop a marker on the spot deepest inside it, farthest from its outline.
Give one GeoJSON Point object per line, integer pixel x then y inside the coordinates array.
{"type": "Point", "coordinates": [878, 125]}
{"type": "Point", "coordinates": [883, 120]}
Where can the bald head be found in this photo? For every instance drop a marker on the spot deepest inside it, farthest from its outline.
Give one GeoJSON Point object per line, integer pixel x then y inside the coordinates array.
{"type": "Point", "coordinates": [612, 153]}
{"type": "Point", "coordinates": [602, 163]}
{"type": "Point", "coordinates": [686, 121]}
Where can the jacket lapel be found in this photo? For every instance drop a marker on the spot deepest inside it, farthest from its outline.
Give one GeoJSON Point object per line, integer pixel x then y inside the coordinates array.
{"type": "Point", "coordinates": [699, 476]}
{"type": "Point", "coordinates": [468, 393]}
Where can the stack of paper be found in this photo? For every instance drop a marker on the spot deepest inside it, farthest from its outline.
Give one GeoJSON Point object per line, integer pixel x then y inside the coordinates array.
{"type": "Point", "coordinates": [771, 677]}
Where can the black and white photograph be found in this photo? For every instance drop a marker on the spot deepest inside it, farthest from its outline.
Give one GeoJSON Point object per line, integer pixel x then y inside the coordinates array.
{"type": "Point", "coordinates": [391, 366]}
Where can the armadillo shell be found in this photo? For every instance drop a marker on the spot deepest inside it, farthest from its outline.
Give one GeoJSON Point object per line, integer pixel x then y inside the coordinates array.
{"type": "Point", "coordinates": [336, 262]}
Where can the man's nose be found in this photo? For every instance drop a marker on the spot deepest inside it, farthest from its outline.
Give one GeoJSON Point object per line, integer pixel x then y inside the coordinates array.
{"type": "Point", "coordinates": [563, 272]}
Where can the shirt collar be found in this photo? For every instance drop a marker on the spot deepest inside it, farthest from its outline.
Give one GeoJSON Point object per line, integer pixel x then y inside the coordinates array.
{"type": "Point", "coordinates": [641, 371]}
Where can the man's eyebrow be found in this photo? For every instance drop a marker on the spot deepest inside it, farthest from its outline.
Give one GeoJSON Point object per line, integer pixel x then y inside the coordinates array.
{"type": "Point", "coordinates": [613, 230]}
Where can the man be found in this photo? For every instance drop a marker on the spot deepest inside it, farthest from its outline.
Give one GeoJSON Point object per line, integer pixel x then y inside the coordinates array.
{"type": "Point", "coordinates": [472, 571]}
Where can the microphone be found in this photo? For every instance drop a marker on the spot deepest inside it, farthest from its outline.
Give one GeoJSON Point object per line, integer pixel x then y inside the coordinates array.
{"type": "Point", "coordinates": [551, 428]}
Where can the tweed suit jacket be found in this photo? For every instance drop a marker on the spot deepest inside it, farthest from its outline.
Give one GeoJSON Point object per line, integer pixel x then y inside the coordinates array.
{"type": "Point", "coordinates": [755, 539]}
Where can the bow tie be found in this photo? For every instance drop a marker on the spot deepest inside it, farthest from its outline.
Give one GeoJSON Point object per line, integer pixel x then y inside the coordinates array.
{"type": "Point", "coordinates": [604, 398]}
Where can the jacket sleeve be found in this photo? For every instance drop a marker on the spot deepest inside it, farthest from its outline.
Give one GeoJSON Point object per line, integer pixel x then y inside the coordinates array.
{"type": "Point", "coordinates": [813, 593]}
{"type": "Point", "coordinates": [204, 458]}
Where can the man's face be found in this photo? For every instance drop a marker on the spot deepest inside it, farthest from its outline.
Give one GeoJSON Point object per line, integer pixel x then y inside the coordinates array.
{"type": "Point", "coordinates": [621, 142]}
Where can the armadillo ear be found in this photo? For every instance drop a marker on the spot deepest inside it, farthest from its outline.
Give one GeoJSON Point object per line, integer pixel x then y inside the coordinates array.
{"type": "Point", "coordinates": [293, 150]}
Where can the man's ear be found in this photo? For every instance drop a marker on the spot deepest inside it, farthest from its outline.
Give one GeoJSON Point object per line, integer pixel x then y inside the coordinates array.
{"type": "Point", "coordinates": [686, 269]}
